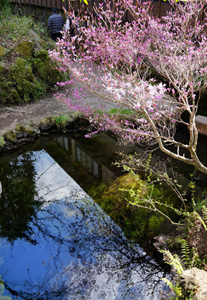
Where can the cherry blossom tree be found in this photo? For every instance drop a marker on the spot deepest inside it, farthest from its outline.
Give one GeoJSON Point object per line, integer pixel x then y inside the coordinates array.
{"type": "Point", "coordinates": [116, 60]}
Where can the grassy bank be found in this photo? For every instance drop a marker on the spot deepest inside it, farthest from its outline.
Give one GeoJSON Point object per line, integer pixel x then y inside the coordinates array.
{"type": "Point", "coordinates": [26, 70]}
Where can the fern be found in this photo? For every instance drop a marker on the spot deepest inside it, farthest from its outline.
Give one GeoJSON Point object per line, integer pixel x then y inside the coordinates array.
{"type": "Point", "coordinates": [197, 215]}
{"type": "Point", "coordinates": [204, 211]}
{"type": "Point", "coordinates": [175, 288]}
{"type": "Point", "coordinates": [174, 261]}
{"type": "Point", "coordinates": [186, 253]}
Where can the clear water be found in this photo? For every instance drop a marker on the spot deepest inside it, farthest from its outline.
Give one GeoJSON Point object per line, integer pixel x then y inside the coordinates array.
{"type": "Point", "coordinates": [55, 241]}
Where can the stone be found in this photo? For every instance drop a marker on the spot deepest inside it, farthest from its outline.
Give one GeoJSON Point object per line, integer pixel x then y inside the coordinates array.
{"type": "Point", "coordinates": [201, 124]}
{"type": "Point", "coordinates": [25, 48]}
{"type": "Point", "coordinates": [26, 130]}
{"type": "Point", "coordinates": [10, 136]}
{"type": "Point", "coordinates": [195, 280]}
{"type": "Point", "coordinates": [47, 124]}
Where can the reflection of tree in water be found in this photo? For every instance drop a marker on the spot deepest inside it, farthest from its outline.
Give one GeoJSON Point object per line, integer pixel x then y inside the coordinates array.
{"type": "Point", "coordinates": [100, 256]}
{"type": "Point", "coordinates": [17, 201]}
{"type": "Point", "coordinates": [86, 254]}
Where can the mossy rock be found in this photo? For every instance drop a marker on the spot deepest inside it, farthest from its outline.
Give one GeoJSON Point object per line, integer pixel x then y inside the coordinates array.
{"type": "Point", "coordinates": [138, 223]}
{"type": "Point", "coordinates": [21, 70]}
{"type": "Point", "coordinates": [47, 123]}
{"type": "Point", "coordinates": [45, 68]}
{"type": "Point", "coordinates": [2, 141]}
{"type": "Point", "coordinates": [26, 130]}
{"type": "Point", "coordinates": [39, 43]}
{"type": "Point", "coordinates": [62, 121]}
{"type": "Point", "coordinates": [24, 80]}
{"type": "Point", "coordinates": [2, 52]}
{"type": "Point", "coordinates": [10, 136]}
{"type": "Point", "coordinates": [25, 48]}
{"type": "Point", "coordinates": [8, 94]}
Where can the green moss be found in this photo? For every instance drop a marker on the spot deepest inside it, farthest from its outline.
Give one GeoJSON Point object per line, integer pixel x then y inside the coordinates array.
{"type": "Point", "coordinates": [114, 201]}
{"type": "Point", "coordinates": [26, 130]}
{"type": "Point", "coordinates": [2, 141]}
{"type": "Point", "coordinates": [26, 84]}
{"type": "Point", "coordinates": [121, 111]}
{"type": "Point", "coordinates": [62, 121]}
{"type": "Point", "coordinates": [2, 69]}
{"type": "Point", "coordinates": [47, 123]}
{"type": "Point", "coordinates": [21, 70]}
{"type": "Point", "coordinates": [25, 48]}
{"type": "Point", "coordinates": [8, 93]}
{"type": "Point", "coordinates": [139, 224]}
{"type": "Point", "coordinates": [33, 73]}
{"type": "Point", "coordinates": [10, 136]}
{"type": "Point", "coordinates": [155, 224]}
{"type": "Point", "coordinates": [45, 68]}
{"type": "Point", "coordinates": [2, 52]}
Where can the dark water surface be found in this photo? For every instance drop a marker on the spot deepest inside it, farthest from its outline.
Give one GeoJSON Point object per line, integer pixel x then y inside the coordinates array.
{"type": "Point", "coordinates": [55, 241]}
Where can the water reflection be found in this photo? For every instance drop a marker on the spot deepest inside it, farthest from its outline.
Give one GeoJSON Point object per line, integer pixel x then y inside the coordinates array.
{"type": "Point", "coordinates": [17, 200]}
{"type": "Point", "coordinates": [80, 253]}
{"type": "Point", "coordinates": [95, 159]}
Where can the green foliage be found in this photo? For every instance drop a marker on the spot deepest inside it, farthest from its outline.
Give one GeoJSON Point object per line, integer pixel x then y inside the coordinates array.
{"type": "Point", "coordinates": [191, 216]}
{"type": "Point", "coordinates": [14, 27]}
{"type": "Point", "coordinates": [174, 261]}
{"type": "Point", "coordinates": [26, 70]}
{"type": "Point", "coordinates": [2, 142]}
{"type": "Point", "coordinates": [164, 194]}
{"type": "Point", "coordinates": [204, 211]}
{"type": "Point", "coordinates": [62, 121]}
{"type": "Point", "coordinates": [18, 202]}
{"type": "Point", "coordinates": [46, 69]}
{"type": "Point", "coordinates": [4, 4]}
{"type": "Point", "coordinates": [176, 288]}
{"type": "Point", "coordinates": [26, 84]}
{"type": "Point", "coordinates": [138, 224]}
{"type": "Point", "coordinates": [121, 111]}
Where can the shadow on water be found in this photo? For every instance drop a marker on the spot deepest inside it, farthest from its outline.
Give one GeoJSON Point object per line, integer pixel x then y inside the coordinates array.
{"type": "Point", "coordinates": [56, 242]}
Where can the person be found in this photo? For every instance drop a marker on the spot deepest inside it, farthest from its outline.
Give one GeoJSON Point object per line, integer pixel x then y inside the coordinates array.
{"type": "Point", "coordinates": [55, 23]}
{"type": "Point", "coordinates": [71, 26]}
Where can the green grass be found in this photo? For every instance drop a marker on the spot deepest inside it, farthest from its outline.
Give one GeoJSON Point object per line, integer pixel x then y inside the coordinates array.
{"type": "Point", "coordinates": [15, 27]}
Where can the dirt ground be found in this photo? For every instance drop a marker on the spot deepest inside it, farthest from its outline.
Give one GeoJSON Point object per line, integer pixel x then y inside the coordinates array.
{"type": "Point", "coordinates": [10, 117]}
{"type": "Point", "coordinates": [34, 111]}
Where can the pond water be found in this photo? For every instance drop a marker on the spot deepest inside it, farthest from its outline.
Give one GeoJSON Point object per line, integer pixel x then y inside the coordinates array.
{"type": "Point", "coordinates": [55, 241]}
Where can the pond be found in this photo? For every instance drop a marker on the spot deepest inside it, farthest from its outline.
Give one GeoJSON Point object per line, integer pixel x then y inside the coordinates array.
{"type": "Point", "coordinates": [56, 242]}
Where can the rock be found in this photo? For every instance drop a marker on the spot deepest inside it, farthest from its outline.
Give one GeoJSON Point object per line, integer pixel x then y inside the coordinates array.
{"type": "Point", "coordinates": [26, 84]}
{"type": "Point", "coordinates": [47, 124]}
{"type": "Point", "coordinates": [201, 124]}
{"type": "Point", "coordinates": [10, 136]}
{"type": "Point", "coordinates": [195, 280]}
{"type": "Point", "coordinates": [26, 130]}
{"type": "Point", "coordinates": [45, 68]}
{"type": "Point", "coordinates": [25, 48]}
{"type": "Point", "coordinates": [161, 242]}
